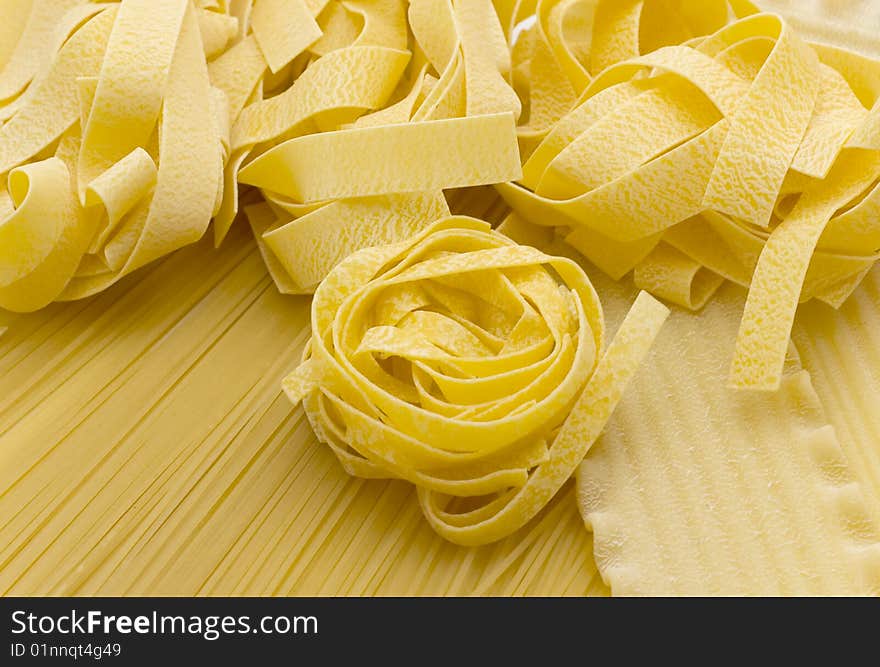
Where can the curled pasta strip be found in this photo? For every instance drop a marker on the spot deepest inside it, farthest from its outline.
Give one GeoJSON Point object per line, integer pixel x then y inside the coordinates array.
{"type": "Point", "coordinates": [155, 108]}
{"type": "Point", "coordinates": [360, 121]}
{"type": "Point", "coordinates": [111, 143]}
{"type": "Point", "coordinates": [160, 110]}
{"type": "Point", "coordinates": [695, 149]}
{"type": "Point", "coordinates": [468, 365]}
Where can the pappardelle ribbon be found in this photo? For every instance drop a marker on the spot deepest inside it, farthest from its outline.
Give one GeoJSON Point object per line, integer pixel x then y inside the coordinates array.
{"type": "Point", "coordinates": [388, 106]}
{"type": "Point", "coordinates": [111, 143]}
{"type": "Point", "coordinates": [691, 147]}
{"type": "Point", "coordinates": [126, 128]}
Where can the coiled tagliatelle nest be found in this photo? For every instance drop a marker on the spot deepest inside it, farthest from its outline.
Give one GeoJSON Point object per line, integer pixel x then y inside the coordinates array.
{"type": "Point", "coordinates": [113, 140]}
{"type": "Point", "coordinates": [468, 365]}
{"type": "Point", "coordinates": [700, 141]}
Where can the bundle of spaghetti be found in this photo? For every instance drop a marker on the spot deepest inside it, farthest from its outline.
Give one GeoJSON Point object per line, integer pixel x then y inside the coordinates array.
{"type": "Point", "coordinates": [351, 117]}
{"type": "Point", "coordinates": [112, 140]}
{"type": "Point", "coordinates": [665, 139]}
{"type": "Point", "coordinates": [468, 365]}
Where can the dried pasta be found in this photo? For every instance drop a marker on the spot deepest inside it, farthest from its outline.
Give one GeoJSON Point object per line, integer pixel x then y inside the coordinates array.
{"type": "Point", "coordinates": [113, 144]}
{"type": "Point", "coordinates": [456, 361]}
{"type": "Point", "coordinates": [691, 149]}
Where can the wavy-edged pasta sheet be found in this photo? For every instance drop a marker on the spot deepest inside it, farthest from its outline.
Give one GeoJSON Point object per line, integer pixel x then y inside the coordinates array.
{"type": "Point", "coordinates": [697, 142]}
{"type": "Point", "coordinates": [697, 489]}
{"type": "Point", "coordinates": [109, 485]}
{"type": "Point", "coordinates": [109, 488]}
{"type": "Point", "coordinates": [841, 349]}
{"type": "Point", "coordinates": [469, 365]}
{"type": "Point", "coordinates": [112, 142]}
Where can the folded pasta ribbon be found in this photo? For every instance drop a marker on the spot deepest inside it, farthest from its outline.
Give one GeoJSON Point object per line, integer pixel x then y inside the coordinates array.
{"type": "Point", "coordinates": [111, 144]}
{"type": "Point", "coordinates": [159, 111]}
{"type": "Point", "coordinates": [361, 122]}
{"type": "Point", "coordinates": [468, 365]}
{"type": "Point", "coordinates": [745, 154]}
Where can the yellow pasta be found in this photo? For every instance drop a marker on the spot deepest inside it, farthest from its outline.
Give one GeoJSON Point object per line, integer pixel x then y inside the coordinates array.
{"type": "Point", "coordinates": [392, 105]}
{"type": "Point", "coordinates": [111, 148]}
{"type": "Point", "coordinates": [839, 347]}
{"type": "Point", "coordinates": [468, 151]}
{"type": "Point", "coordinates": [235, 498]}
{"type": "Point", "coordinates": [457, 361]}
{"type": "Point", "coordinates": [306, 248]}
{"type": "Point", "coordinates": [143, 118]}
{"type": "Point", "coordinates": [697, 489]}
{"type": "Point", "coordinates": [370, 147]}
{"type": "Point", "coordinates": [692, 148]}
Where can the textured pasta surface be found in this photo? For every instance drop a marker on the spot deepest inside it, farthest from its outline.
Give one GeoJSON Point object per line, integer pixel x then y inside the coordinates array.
{"type": "Point", "coordinates": [698, 489]}
{"type": "Point", "coordinates": [126, 128]}
{"type": "Point", "coordinates": [112, 143]}
{"type": "Point", "coordinates": [238, 498]}
{"type": "Point", "coordinates": [694, 143]}
{"type": "Point", "coordinates": [455, 360]}
{"type": "Point", "coordinates": [437, 226]}
{"type": "Point", "coordinates": [837, 446]}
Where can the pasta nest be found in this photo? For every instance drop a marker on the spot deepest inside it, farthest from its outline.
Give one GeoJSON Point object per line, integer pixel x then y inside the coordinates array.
{"type": "Point", "coordinates": [467, 365]}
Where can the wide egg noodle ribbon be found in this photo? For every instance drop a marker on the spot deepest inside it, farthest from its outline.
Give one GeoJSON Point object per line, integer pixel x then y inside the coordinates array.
{"type": "Point", "coordinates": [698, 145]}
{"type": "Point", "coordinates": [782, 267]}
{"type": "Point", "coordinates": [359, 75]}
{"type": "Point", "coordinates": [130, 85]}
{"type": "Point", "coordinates": [134, 134]}
{"type": "Point", "coordinates": [695, 489]}
{"type": "Point", "coordinates": [154, 127]}
{"type": "Point", "coordinates": [385, 85]}
{"type": "Point", "coordinates": [468, 365]}
{"type": "Point", "coordinates": [572, 42]}
{"type": "Point", "coordinates": [42, 241]}
{"type": "Point", "coordinates": [476, 150]}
